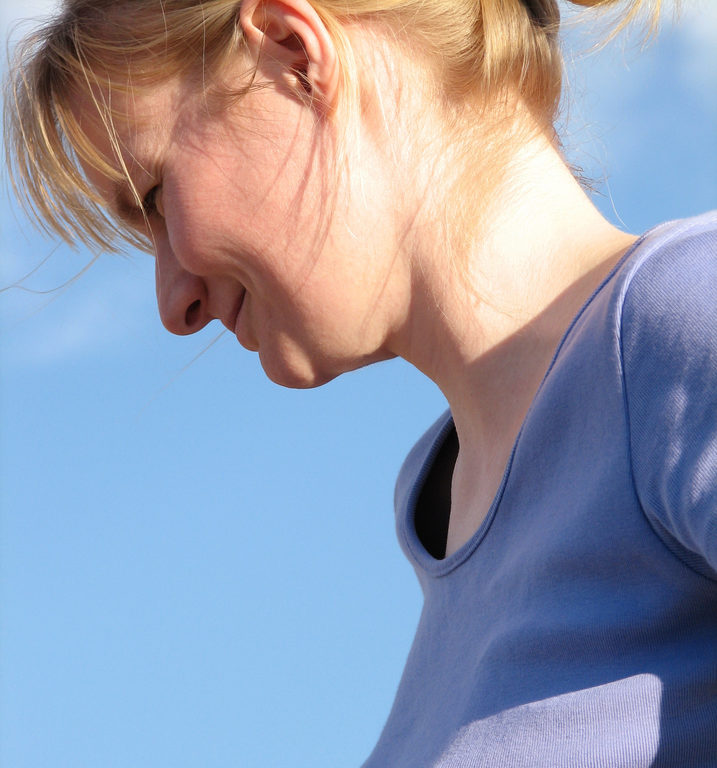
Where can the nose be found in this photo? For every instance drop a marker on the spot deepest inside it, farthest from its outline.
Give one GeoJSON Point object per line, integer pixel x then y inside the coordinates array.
{"type": "Point", "coordinates": [181, 296]}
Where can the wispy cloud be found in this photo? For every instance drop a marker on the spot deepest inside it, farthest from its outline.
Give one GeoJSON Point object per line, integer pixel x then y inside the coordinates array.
{"type": "Point", "coordinates": [49, 318]}
{"type": "Point", "coordinates": [698, 25]}
{"type": "Point", "coordinates": [620, 69]}
{"type": "Point", "coordinates": [109, 304]}
{"type": "Point", "coordinates": [619, 84]}
{"type": "Point", "coordinates": [47, 315]}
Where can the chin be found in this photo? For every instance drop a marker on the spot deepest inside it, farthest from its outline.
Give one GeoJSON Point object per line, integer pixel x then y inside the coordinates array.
{"type": "Point", "coordinates": [300, 371]}
{"type": "Point", "coordinates": [295, 376]}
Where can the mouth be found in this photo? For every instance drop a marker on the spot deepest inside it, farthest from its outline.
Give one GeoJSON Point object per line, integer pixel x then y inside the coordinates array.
{"type": "Point", "coordinates": [239, 304]}
{"type": "Point", "coordinates": [230, 320]}
{"type": "Point", "coordinates": [242, 330]}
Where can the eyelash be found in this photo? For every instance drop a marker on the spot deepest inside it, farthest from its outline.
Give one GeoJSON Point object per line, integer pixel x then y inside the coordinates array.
{"type": "Point", "coordinates": [149, 206]}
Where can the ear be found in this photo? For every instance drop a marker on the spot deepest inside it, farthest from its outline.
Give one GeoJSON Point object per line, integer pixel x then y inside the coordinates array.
{"type": "Point", "coordinates": [292, 34]}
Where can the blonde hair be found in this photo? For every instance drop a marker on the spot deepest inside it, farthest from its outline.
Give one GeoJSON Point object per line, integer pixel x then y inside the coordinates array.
{"type": "Point", "coordinates": [475, 47]}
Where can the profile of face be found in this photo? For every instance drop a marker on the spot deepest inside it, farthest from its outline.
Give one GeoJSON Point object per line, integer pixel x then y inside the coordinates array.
{"type": "Point", "coordinates": [254, 219]}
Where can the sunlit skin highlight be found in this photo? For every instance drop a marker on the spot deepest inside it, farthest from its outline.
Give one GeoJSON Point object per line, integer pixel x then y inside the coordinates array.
{"type": "Point", "coordinates": [237, 204]}
{"type": "Point", "coordinates": [324, 262]}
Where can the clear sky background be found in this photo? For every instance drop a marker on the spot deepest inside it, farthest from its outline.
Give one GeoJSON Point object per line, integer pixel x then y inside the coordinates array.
{"type": "Point", "coordinates": [199, 568]}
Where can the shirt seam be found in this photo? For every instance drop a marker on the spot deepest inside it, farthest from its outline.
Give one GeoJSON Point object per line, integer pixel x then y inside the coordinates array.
{"type": "Point", "coordinates": [626, 405]}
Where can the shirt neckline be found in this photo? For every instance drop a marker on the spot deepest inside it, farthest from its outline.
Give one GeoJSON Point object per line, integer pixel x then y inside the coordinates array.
{"type": "Point", "coordinates": [422, 559]}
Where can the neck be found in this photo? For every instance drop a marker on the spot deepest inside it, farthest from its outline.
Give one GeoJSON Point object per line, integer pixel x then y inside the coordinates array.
{"type": "Point", "coordinates": [490, 306]}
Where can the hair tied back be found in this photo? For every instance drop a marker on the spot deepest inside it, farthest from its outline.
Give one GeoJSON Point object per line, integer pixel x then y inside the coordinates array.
{"type": "Point", "coordinates": [542, 12]}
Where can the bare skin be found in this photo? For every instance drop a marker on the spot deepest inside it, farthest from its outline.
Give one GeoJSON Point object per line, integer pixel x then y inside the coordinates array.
{"type": "Point", "coordinates": [384, 281]}
{"type": "Point", "coordinates": [537, 251]}
{"type": "Point", "coordinates": [489, 357]}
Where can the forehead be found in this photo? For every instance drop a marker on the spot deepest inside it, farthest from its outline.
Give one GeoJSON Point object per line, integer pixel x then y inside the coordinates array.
{"type": "Point", "coordinates": [121, 132]}
{"type": "Point", "coordinates": [128, 116]}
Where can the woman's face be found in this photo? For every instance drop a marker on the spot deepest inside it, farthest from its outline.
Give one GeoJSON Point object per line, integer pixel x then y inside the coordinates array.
{"type": "Point", "coordinates": [254, 225]}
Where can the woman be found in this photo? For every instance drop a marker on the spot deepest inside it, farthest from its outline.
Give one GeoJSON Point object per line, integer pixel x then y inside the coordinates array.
{"type": "Point", "coordinates": [339, 183]}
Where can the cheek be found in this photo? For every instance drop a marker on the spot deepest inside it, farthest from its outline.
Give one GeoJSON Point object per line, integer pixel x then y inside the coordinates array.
{"type": "Point", "coordinates": [191, 225]}
{"type": "Point", "coordinates": [287, 197]}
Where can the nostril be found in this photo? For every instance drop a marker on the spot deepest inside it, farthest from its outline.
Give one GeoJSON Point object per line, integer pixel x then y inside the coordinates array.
{"type": "Point", "coordinates": [192, 313]}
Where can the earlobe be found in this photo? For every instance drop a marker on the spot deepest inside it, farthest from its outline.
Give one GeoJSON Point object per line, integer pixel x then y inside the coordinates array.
{"type": "Point", "coordinates": [290, 33]}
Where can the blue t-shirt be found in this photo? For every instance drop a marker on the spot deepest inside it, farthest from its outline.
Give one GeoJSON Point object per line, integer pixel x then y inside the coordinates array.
{"type": "Point", "coordinates": [578, 626]}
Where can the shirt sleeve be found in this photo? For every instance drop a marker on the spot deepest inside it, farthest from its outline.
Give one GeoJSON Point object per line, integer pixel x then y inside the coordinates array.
{"type": "Point", "coordinates": [669, 349]}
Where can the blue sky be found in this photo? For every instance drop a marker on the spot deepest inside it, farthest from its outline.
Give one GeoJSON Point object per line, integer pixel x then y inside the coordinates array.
{"type": "Point", "coordinates": [199, 568]}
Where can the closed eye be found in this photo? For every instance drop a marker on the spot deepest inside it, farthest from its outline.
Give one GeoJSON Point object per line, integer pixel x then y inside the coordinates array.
{"type": "Point", "coordinates": [150, 203]}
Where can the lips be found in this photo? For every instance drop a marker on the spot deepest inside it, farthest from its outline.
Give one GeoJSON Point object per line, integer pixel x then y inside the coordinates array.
{"type": "Point", "coordinates": [242, 328]}
{"type": "Point", "coordinates": [240, 302]}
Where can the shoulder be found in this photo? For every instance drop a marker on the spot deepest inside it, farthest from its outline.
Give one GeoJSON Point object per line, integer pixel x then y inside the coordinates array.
{"type": "Point", "coordinates": [668, 314]}
{"type": "Point", "coordinates": [668, 340]}
{"type": "Point", "coordinates": [670, 275]}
